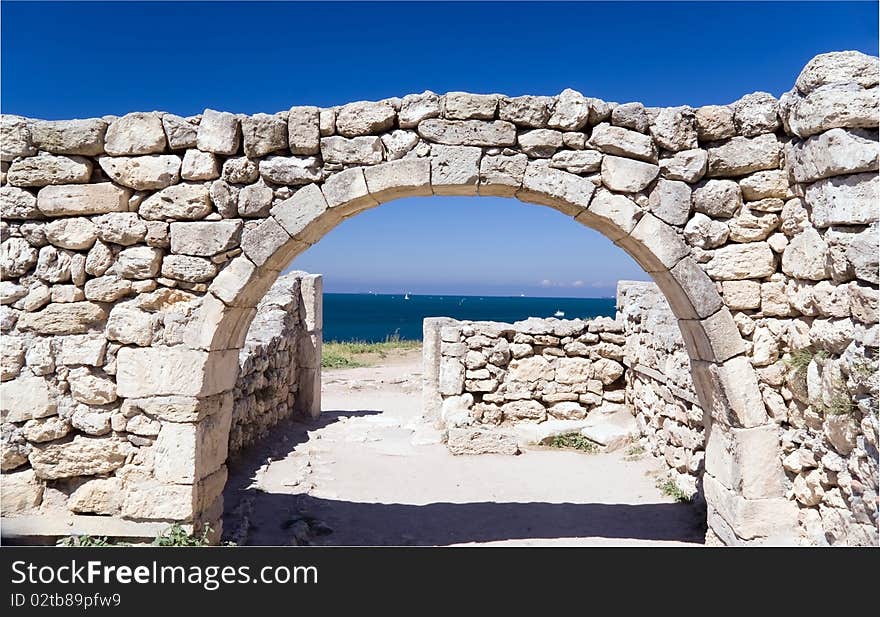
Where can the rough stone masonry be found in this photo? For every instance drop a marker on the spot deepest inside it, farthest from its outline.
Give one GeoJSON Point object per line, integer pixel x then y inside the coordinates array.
{"type": "Point", "coordinates": [135, 250]}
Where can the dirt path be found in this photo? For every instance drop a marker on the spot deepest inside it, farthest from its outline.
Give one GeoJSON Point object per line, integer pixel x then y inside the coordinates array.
{"type": "Point", "coordinates": [370, 472]}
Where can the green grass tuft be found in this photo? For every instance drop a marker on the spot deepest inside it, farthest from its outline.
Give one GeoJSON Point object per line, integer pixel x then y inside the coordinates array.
{"type": "Point", "coordinates": [634, 452]}
{"type": "Point", "coordinates": [574, 441]}
{"type": "Point", "coordinates": [669, 488]}
{"type": "Point", "coordinates": [178, 536]}
{"type": "Point", "coordinates": [85, 540]}
{"type": "Point", "coordinates": [354, 354]}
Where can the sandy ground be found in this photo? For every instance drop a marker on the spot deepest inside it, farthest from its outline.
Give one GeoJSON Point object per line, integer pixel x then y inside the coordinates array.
{"type": "Point", "coordinates": [371, 472]}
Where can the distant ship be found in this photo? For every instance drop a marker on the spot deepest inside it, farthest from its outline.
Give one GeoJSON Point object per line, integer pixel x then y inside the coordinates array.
{"type": "Point", "coordinates": [559, 314]}
{"type": "Point", "coordinates": [406, 296]}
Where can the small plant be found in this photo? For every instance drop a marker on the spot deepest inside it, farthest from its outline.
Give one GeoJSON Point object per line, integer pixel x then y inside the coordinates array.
{"type": "Point", "coordinates": [669, 488]}
{"type": "Point", "coordinates": [178, 536]}
{"type": "Point", "coordinates": [84, 541]}
{"type": "Point", "coordinates": [798, 361]}
{"type": "Point", "coordinates": [635, 452]}
{"type": "Point", "coordinates": [574, 441]}
{"type": "Point", "coordinates": [841, 404]}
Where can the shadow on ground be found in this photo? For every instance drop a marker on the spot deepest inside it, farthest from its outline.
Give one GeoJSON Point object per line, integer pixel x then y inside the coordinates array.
{"type": "Point", "coordinates": [284, 519]}
{"type": "Point", "coordinates": [346, 523]}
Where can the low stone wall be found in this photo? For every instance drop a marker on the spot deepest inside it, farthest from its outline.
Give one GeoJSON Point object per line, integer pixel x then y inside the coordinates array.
{"type": "Point", "coordinates": [282, 345]}
{"type": "Point", "coordinates": [491, 373]}
{"type": "Point", "coordinates": [659, 388]}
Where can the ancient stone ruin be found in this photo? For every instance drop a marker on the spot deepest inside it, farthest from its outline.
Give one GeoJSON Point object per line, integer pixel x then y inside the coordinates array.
{"type": "Point", "coordinates": [135, 251]}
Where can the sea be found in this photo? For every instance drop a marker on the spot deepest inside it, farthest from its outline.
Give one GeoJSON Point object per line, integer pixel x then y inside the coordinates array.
{"type": "Point", "coordinates": [378, 317]}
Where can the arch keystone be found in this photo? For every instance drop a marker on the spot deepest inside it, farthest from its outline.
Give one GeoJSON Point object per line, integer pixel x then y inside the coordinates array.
{"type": "Point", "coordinates": [395, 179]}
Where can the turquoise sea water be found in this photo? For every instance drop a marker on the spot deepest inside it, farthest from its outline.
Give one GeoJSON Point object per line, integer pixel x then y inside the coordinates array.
{"type": "Point", "coordinates": [374, 317]}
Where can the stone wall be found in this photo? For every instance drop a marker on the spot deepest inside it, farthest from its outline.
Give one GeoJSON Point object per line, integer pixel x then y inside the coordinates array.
{"type": "Point", "coordinates": [135, 250]}
{"type": "Point", "coordinates": [279, 346]}
{"type": "Point", "coordinates": [498, 374]}
{"type": "Point", "coordinates": [659, 388]}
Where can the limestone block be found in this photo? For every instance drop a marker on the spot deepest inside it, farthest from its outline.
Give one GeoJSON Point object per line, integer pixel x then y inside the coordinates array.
{"type": "Point", "coordinates": [182, 201]}
{"type": "Point", "coordinates": [159, 371]}
{"type": "Point", "coordinates": [64, 318]}
{"type": "Point", "coordinates": [49, 169]}
{"type": "Point", "coordinates": [466, 106]}
{"type": "Point", "coordinates": [455, 170]}
{"type": "Point", "coordinates": [205, 239]}
{"type": "Point", "coordinates": [715, 122]}
{"type": "Point", "coordinates": [742, 295]}
{"type": "Point", "coordinates": [399, 143]}
{"type": "Point", "coordinates": [626, 175]}
{"type": "Point", "coordinates": [180, 132]}
{"type": "Point", "coordinates": [502, 175]}
{"type": "Point", "coordinates": [74, 200]}
{"type": "Point", "coordinates": [805, 256]}
{"type": "Point", "coordinates": [675, 128]}
{"type": "Point", "coordinates": [753, 260]}
{"type": "Point", "coordinates": [356, 151]}
{"type": "Point", "coordinates": [80, 456]}
{"type": "Point", "coordinates": [139, 262]}
{"type": "Point", "coordinates": [97, 496]}
{"type": "Point", "coordinates": [838, 67]}
{"type": "Point", "coordinates": [480, 441]}
{"type": "Point", "coordinates": [670, 201]}
{"type": "Point", "coordinates": [364, 118]}
{"type": "Point", "coordinates": [468, 132]}
{"type": "Point", "coordinates": [188, 268]}
{"type": "Point", "coordinates": [841, 105]}
{"type": "Point", "coordinates": [151, 172]}
{"type": "Point", "coordinates": [655, 244]}
{"type": "Point", "coordinates": [527, 111]}
{"type": "Point", "coordinates": [135, 133]}
{"type": "Point", "coordinates": [219, 132]}
{"type": "Point", "coordinates": [263, 134]}
{"type": "Point", "coordinates": [417, 107]}
{"type": "Point", "coordinates": [22, 491]}
{"type": "Point", "coordinates": [189, 452]}
{"type": "Point", "coordinates": [76, 233]}
{"type": "Point", "coordinates": [623, 142]}
{"type": "Point", "coordinates": [15, 138]}
{"type": "Point", "coordinates": [558, 189]}
{"type": "Point", "coordinates": [755, 114]}
{"type": "Point", "coordinates": [631, 116]}
{"type": "Point", "coordinates": [303, 130]}
{"type": "Point", "coordinates": [198, 165]}
{"type": "Point", "coordinates": [84, 137]}
{"type": "Point", "coordinates": [403, 178]}
{"type": "Point", "coordinates": [539, 143]}
{"type": "Point", "coordinates": [718, 198]}
{"type": "Point", "coordinates": [26, 398]}
{"type": "Point", "coordinates": [577, 161]}
{"type": "Point", "coordinates": [347, 191]}
{"type": "Point", "coordinates": [832, 153]}
{"type": "Point", "coordinates": [16, 203]}
{"type": "Point", "coordinates": [16, 257]}
{"type": "Point", "coordinates": [739, 156]}
{"type": "Point", "coordinates": [290, 170]}
{"type": "Point", "coordinates": [687, 165]}
{"type": "Point", "coordinates": [304, 216]}
{"type": "Point", "coordinates": [844, 200]}
{"type": "Point", "coordinates": [614, 215]}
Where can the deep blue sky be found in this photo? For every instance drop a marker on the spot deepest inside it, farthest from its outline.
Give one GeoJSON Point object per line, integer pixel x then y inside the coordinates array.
{"type": "Point", "coordinates": [66, 60]}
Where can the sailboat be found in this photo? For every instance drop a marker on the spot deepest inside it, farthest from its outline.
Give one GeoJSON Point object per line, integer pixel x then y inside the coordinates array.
{"type": "Point", "coordinates": [406, 296]}
{"type": "Point", "coordinates": [559, 314]}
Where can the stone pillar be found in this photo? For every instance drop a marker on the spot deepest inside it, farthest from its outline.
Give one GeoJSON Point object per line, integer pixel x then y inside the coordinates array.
{"type": "Point", "coordinates": [311, 306]}
{"type": "Point", "coordinates": [431, 346]}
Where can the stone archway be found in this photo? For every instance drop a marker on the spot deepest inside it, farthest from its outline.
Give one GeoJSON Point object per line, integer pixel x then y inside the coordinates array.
{"type": "Point", "coordinates": [660, 183]}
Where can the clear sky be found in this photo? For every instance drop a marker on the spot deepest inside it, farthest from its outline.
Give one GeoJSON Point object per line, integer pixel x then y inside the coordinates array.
{"type": "Point", "coordinates": [68, 60]}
